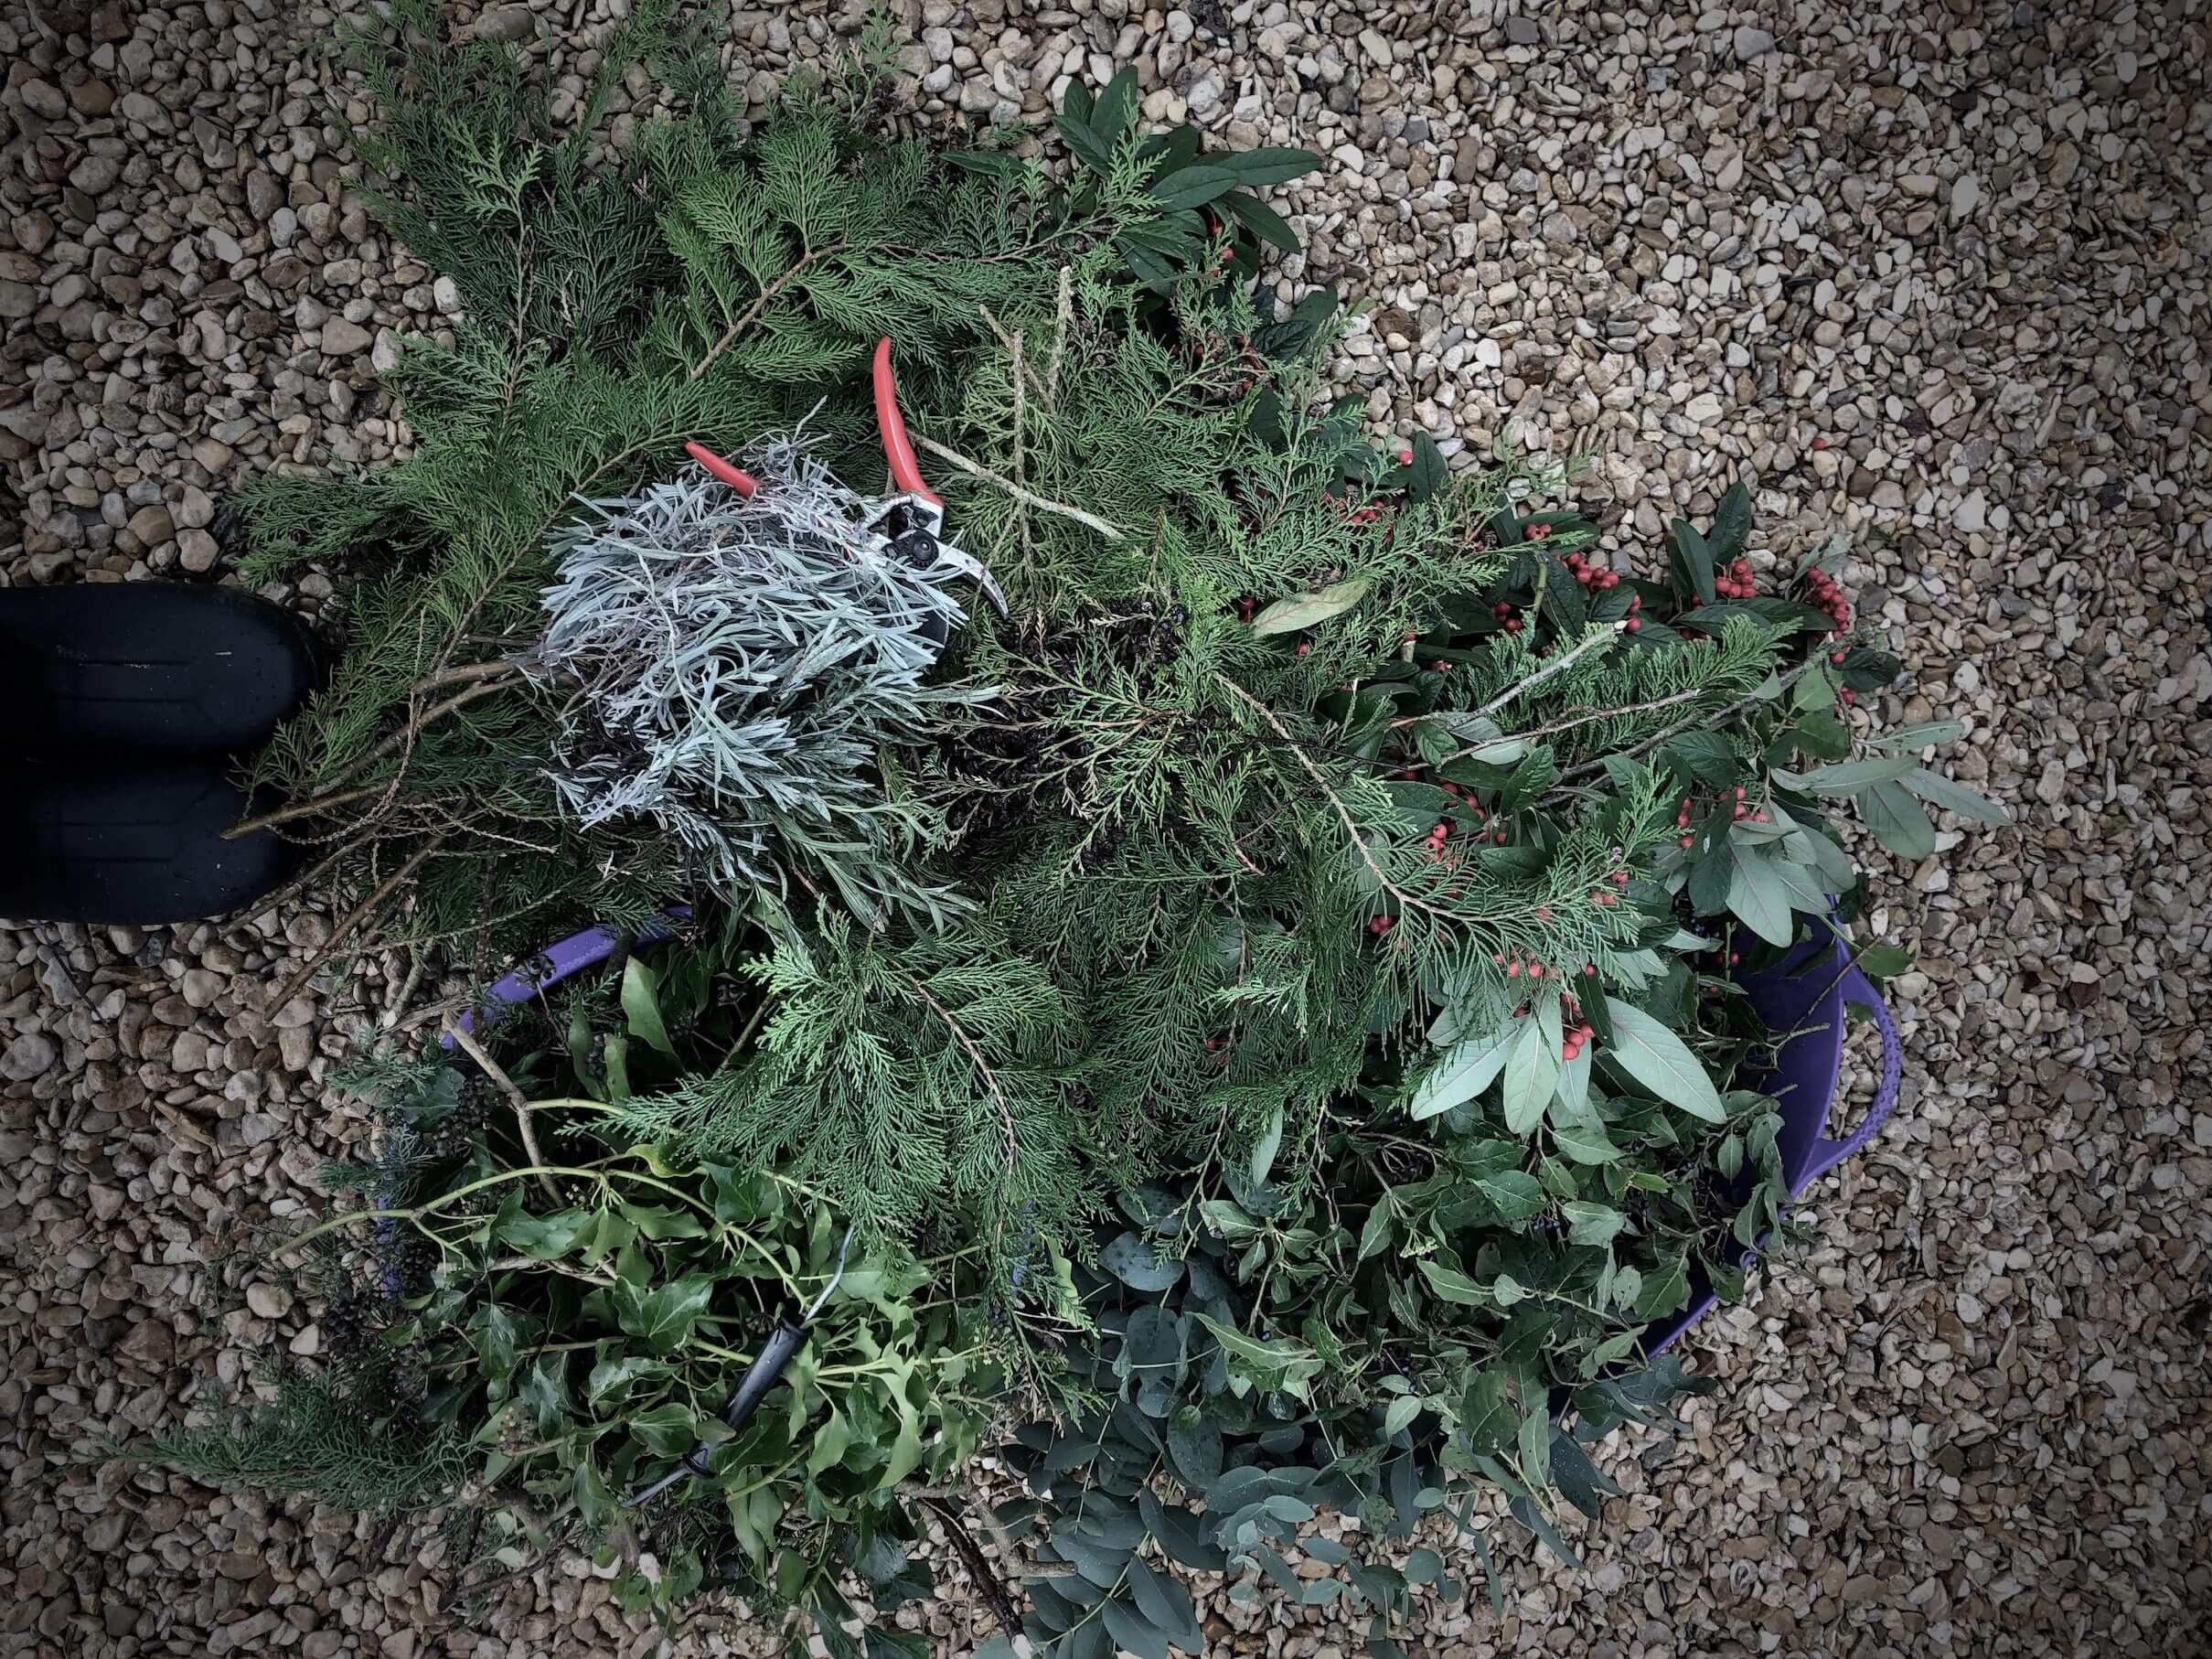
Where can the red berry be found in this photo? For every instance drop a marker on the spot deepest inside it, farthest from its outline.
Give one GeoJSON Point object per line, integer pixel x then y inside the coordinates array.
{"type": "Point", "coordinates": [1405, 457]}
{"type": "Point", "coordinates": [1687, 840]}
{"type": "Point", "coordinates": [1535, 970]}
{"type": "Point", "coordinates": [1820, 443]}
{"type": "Point", "coordinates": [1512, 970]}
{"type": "Point", "coordinates": [1734, 958]}
{"type": "Point", "coordinates": [1513, 626]}
{"type": "Point", "coordinates": [1837, 656]}
{"type": "Point", "coordinates": [1537, 533]}
{"type": "Point", "coordinates": [1304, 646]}
{"type": "Point", "coordinates": [1590, 970]}
{"type": "Point", "coordinates": [1635, 625]}
{"type": "Point", "coordinates": [1850, 696]}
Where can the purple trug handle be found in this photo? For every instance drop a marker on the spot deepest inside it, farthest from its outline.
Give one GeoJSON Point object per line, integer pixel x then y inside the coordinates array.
{"type": "Point", "coordinates": [1827, 1153]}
{"type": "Point", "coordinates": [561, 959]}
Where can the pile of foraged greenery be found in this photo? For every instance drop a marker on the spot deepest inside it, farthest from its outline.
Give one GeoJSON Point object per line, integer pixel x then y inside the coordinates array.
{"type": "Point", "coordinates": [1331, 1058]}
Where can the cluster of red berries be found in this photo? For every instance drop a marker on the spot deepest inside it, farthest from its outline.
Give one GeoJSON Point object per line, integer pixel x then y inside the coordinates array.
{"type": "Point", "coordinates": [1350, 514]}
{"type": "Point", "coordinates": [1825, 594]}
{"type": "Point", "coordinates": [1381, 925]}
{"type": "Point", "coordinates": [1594, 577]}
{"type": "Point", "coordinates": [1508, 616]}
{"type": "Point", "coordinates": [1735, 581]}
{"type": "Point", "coordinates": [1515, 967]}
{"type": "Point", "coordinates": [1739, 807]}
{"type": "Point", "coordinates": [1467, 795]}
{"type": "Point", "coordinates": [1574, 1040]}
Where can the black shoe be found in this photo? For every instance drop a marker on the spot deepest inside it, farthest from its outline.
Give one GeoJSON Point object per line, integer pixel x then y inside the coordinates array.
{"type": "Point", "coordinates": [138, 843]}
{"type": "Point", "coordinates": [159, 669]}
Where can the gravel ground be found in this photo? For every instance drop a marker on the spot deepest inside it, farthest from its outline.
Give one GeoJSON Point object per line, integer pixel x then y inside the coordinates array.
{"type": "Point", "coordinates": [1933, 272]}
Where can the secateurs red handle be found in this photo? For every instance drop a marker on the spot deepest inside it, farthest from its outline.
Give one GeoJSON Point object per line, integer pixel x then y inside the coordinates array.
{"type": "Point", "coordinates": [898, 449]}
{"type": "Point", "coordinates": [736, 478]}
{"type": "Point", "coordinates": [905, 471]}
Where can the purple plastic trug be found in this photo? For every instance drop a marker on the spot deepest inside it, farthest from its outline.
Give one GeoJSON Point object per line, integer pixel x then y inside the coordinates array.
{"type": "Point", "coordinates": [1805, 993]}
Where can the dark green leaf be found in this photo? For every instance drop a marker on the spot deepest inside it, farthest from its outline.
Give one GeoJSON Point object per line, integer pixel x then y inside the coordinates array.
{"type": "Point", "coordinates": [1514, 1194]}
{"type": "Point", "coordinates": [1132, 1631]}
{"type": "Point", "coordinates": [1693, 562]}
{"type": "Point", "coordinates": [542, 1237]}
{"type": "Point", "coordinates": [1269, 164]}
{"type": "Point", "coordinates": [641, 1006]}
{"type": "Point", "coordinates": [1664, 1288]}
{"type": "Point", "coordinates": [662, 1318]}
{"type": "Point", "coordinates": [1137, 1264]}
{"type": "Point", "coordinates": [1179, 1532]}
{"type": "Point", "coordinates": [1193, 186]}
{"type": "Point", "coordinates": [1706, 756]}
{"type": "Point", "coordinates": [1731, 524]}
{"type": "Point", "coordinates": [1085, 143]}
{"type": "Point", "coordinates": [1592, 1224]}
{"type": "Point", "coordinates": [1117, 104]}
{"type": "Point", "coordinates": [1303, 611]}
{"type": "Point", "coordinates": [1428, 472]}
{"type": "Point", "coordinates": [1884, 961]}
{"type": "Point", "coordinates": [1165, 1606]}
{"type": "Point", "coordinates": [1194, 1443]}
{"type": "Point", "coordinates": [1580, 1482]}
{"type": "Point", "coordinates": [1466, 1069]}
{"type": "Point", "coordinates": [1262, 221]}
{"type": "Point", "coordinates": [1757, 899]}
{"type": "Point", "coordinates": [492, 1332]}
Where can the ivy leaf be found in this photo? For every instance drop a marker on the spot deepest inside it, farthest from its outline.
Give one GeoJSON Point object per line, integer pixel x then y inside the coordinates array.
{"type": "Point", "coordinates": [1592, 1224]}
{"type": "Point", "coordinates": [1664, 1290]}
{"type": "Point", "coordinates": [1304, 611]}
{"type": "Point", "coordinates": [492, 1332]}
{"type": "Point", "coordinates": [1167, 1605]}
{"type": "Point", "coordinates": [905, 1450]}
{"type": "Point", "coordinates": [1899, 822]}
{"type": "Point", "coordinates": [1532, 1075]}
{"type": "Point", "coordinates": [595, 1503]}
{"type": "Point", "coordinates": [1454, 1286]}
{"type": "Point", "coordinates": [662, 1318]}
{"type": "Point", "coordinates": [1466, 1069]}
{"type": "Point", "coordinates": [544, 1390]}
{"type": "Point", "coordinates": [668, 1431]}
{"type": "Point", "coordinates": [1941, 791]}
{"type": "Point", "coordinates": [1706, 756]}
{"type": "Point", "coordinates": [1137, 1265]}
{"type": "Point", "coordinates": [610, 1377]}
{"type": "Point", "coordinates": [831, 1442]}
{"type": "Point", "coordinates": [542, 1237]}
{"type": "Point", "coordinates": [1661, 1062]}
{"type": "Point", "coordinates": [641, 1007]}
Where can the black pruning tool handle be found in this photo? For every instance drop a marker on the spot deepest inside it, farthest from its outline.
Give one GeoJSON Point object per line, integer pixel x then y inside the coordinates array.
{"type": "Point", "coordinates": [768, 1366]}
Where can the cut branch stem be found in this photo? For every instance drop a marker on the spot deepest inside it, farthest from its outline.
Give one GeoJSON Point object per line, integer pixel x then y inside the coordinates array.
{"type": "Point", "coordinates": [465, 1040]}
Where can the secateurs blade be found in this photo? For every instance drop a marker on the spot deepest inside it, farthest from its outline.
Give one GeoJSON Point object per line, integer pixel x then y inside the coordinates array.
{"type": "Point", "coordinates": [768, 1365]}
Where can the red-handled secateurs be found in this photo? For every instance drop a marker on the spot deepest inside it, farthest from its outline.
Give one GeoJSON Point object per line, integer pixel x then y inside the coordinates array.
{"type": "Point", "coordinates": [910, 524]}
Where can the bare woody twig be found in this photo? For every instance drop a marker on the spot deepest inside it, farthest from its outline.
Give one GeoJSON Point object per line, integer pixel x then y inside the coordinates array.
{"type": "Point", "coordinates": [360, 913]}
{"type": "Point", "coordinates": [1043, 504]}
{"type": "Point", "coordinates": [978, 1566]}
{"type": "Point", "coordinates": [464, 1039]}
{"type": "Point", "coordinates": [485, 686]}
